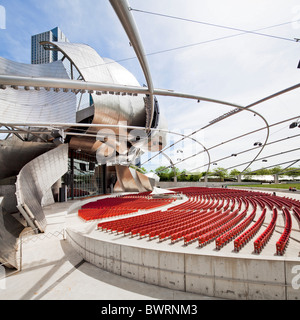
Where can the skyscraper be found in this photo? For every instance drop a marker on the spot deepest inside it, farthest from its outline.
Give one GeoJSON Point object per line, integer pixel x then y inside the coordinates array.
{"type": "Point", "coordinates": [38, 54]}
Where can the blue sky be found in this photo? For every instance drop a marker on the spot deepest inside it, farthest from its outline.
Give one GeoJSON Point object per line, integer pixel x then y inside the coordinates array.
{"type": "Point", "coordinates": [240, 69]}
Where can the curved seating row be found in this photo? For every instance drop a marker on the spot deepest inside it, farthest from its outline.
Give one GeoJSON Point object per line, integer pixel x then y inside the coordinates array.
{"type": "Point", "coordinates": [113, 207]}
{"type": "Point", "coordinates": [233, 233]}
{"type": "Point", "coordinates": [216, 214]}
{"type": "Point", "coordinates": [249, 233]}
{"type": "Point", "coordinates": [262, 240]}
{"type": "Point", "coordinates": [282, 242]}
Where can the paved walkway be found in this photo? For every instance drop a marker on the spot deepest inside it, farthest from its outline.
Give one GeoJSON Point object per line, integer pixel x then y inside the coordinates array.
{"type": "Point", "coordinates": [52, 270]}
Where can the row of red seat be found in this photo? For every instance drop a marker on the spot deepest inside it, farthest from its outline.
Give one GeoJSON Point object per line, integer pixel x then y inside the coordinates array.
{"type": "Point", "coordinates": [112, 207]}
{"type": "Point", "coordinates": [189, 210]}
{"type": "Point", "coordinates": [222, 227]}
{"type": "Point", "coordinates": [129, 224]}
{"type": "Point", "coordinates": [176, 232]}
{"type": "Point", "coordinates": [210, 225]}
{"type": "Point", "coordinates": [181, 218]}
{"type": "Point", "coordinates": [262, 240]}
{"type": "Point", "coordinates": [213, 213]}
{"type": "Point", "coordinates": [297, 213]}
{"type": "Point", "coordinates": [142, 227]}
{"type": "Point", "coordinates": [96, 214]}
{"type": "Point", "coordinates": [249, 233]}
{"type": "Point", "coordinates": [282, 242]}
{"type": "Point", "coordinates": [192, 230]}
{"type": "Point", "coordinates": [233, 233]}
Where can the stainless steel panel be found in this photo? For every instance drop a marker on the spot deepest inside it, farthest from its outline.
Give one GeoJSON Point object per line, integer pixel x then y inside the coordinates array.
{"type": "Point", "coordinates": [130, 180]}
{"type": "Point", "coordinates": [144, 181]}
{"type": "Point", "coordinates": [126, 180]}
{"type": "Point", "coordinates": [36, 105]}
{"type": "Point", "coordinates": [16, 153]}
{"type": "Point", "coordinates": [35, 180]}
{"type": "Point", "coordinates": [108, 109]}
{"type": "Point", "coordinates": [10, 230]}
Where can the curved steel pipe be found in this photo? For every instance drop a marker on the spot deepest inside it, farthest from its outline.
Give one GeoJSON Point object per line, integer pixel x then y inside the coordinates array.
{"type": "Point", "coordinates": [122, 9]}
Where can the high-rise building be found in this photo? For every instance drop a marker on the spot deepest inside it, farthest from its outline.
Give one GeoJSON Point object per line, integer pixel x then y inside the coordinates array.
{"type": "Point", "coordinates": [38, 54]}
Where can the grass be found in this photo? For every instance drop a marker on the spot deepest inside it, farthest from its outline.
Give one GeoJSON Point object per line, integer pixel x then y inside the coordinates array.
{"type": "Point", "coordinates": [275, 186]}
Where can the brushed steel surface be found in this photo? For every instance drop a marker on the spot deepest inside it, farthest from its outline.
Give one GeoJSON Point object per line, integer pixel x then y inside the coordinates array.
{"type": "Point", "coordinates": [35, 180]}
{"type": "Point", "coordinates": [130, 180]}
{"type": "Point", "coordinates": [144, 181]}
{"type": "Point", "coordinates": [14, 154]}
{"type": "Point", "coordinates": [10, 230]}
{"type": "Point", "coordinates": [125, 179]}
{"type": "Point", "coordinates": [35, 105]}
{"type": "Point", "coordinates": [108, 109]}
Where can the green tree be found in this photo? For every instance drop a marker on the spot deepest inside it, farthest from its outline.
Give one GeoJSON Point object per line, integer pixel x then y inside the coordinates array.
{"type": "Point", "coordinates": [234, 173]}
{"type": "Point", "coordinates": [275, 170]}
{"type": "Point", "coordinates": [163, 173]}
{"type": "Point", "coordinates": [220, 172]}
{"type": "Point", "coordinates": [248, 174]}
{"type": "Point", "coordinates": [262, 172]}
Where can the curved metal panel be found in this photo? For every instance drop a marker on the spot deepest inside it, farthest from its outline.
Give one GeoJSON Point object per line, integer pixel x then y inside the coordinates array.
{"type": "Point", "coordinates": [145, 181]}
{"type": "Point", "coordinates": [137, 180]}
{"type": "Point", "coordinates": [39, 105]}
{"type": "Point", "coordinates": [125, 180]}
{"type": "Point", "coordinates": [130, 180]}
{"type": "Point", "coordinates": [35, 180]}
{"type": "Point", "coordinates": [52, 70]}
{"type": "Point", "coordinates": [10, 230]}
{"type": "Point", "coordinates": [108, 109]}
{"type": "Point", "coordinates": [16, 153]}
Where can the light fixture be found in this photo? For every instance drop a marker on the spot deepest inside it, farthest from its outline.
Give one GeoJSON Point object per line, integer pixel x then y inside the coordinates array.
{"type": "Point", "coordinates": [294, 125]}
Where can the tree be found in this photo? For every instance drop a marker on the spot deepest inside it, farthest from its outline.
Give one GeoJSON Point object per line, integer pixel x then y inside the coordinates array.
{"type": "Point", "coordinates": [220, 172]}
{"type": "Point", "coordinates": [234, 173]}
{"type": "Point", "coordinates": [262, 172]}
{"type": "Point", "coordinates": [182, 176]}
{"type": "Point", "coordinates": [163, 173]}
{"type": "Point", "coordinates": [248, 173]}
{"type": "Point", "coordinates": [275, 170]}
{"type": "Point", "coordinates": [293, 172]}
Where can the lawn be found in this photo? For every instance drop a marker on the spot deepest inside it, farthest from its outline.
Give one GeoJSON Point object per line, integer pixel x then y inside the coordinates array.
{"type": "Point", "coordinates": [275, 186]}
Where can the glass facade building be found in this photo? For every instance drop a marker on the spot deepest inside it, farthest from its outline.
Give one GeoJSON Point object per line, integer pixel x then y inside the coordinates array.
{"type": "Point", "coordinates": [38, 54]}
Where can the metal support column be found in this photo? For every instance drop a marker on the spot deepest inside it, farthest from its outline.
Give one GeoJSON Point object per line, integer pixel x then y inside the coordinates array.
{"type": "Point", "coordinates": [72, 175]}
